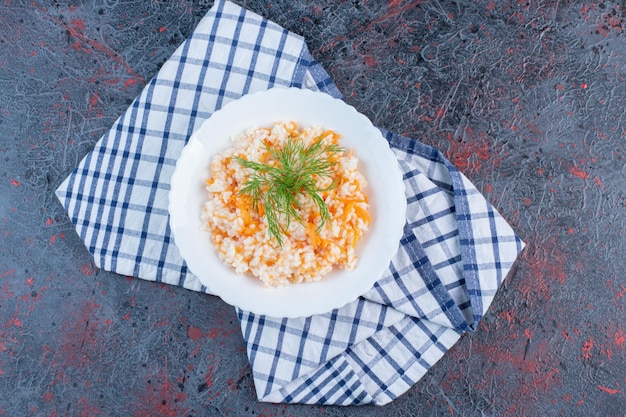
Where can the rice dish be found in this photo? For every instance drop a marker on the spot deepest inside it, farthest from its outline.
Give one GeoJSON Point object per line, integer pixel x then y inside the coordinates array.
{"type": "Point", "coordinates": [240, 231]}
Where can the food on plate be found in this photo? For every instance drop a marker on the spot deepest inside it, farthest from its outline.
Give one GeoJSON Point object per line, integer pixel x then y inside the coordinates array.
{"type": "Point", "coordinates": [286, 204]}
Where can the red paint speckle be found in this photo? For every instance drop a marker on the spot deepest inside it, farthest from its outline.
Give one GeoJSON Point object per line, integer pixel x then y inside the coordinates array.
{"type": "Point", "coordinates": [76, 28]}
{"type": "Point", "coordinates": [85, 409]}
{"type": "Point", "coordinates": [547, 264]}
{"type": "Point", "coordinates": [7, 273]}
{"type": "Point", "coordinates": [209, 377]}
{"type": "Point", "coordinates": [607, 352]}
{"type": "Point", "coordinates": [216, 332]}
{"type": "Point", "coordinates": [194, 333]}
{"type": "Point", "coordinates": [86, 269]}
{"type": "Point", "coordinates": [484, 326]}
{"type": "Point", "coordinates": [619, 338]}
{"type": "Point", "coordinates": [93, 100]}
{"type": "Point", "coordinates": [619, 292]}
{"type": "Point", "coordinates": [468, 151]}
{"type": "Point", "coordinates": [370, 61]}
{"type": "Point", "coordinates": [48, 397]}
{"type": "Point", "coordinates": [161, 29]}
{"type": "Point", "coordinates": [527, 201]}
{"type": "Point", "coordinates": [81, 333]}
{"type": "Point", "coordinates": [232, 386]}
{"type": "Point", "coordinates": [15, 183]}
{"type": "Point", "coordinates": [78, 24]}
{"type": "Point", "coordinates": [509, 315]}
{"type": "Point", "coordinates": [396, 7]}
{"type": "Point", "coordinates": [579, 173]}
{"type": "Point", "coordinates": [608, 390]}
{"type": "Point", "coordinates": [598, 182]}
{"type": "Point", "coordinates": [15, 320]}
{"type": "Point", "coordinates": [532, 372]}
{"type": "Point", "coordinates": [586, 349]}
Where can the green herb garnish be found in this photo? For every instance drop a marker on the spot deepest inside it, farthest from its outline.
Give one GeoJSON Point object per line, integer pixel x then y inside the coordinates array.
{"type": "Point", "coordinates": [289, 172]}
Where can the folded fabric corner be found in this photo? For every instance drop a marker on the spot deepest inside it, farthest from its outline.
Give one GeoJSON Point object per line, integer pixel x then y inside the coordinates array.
{"type": "Point", "coordinates": [375, 370]}
{"type": "Point", "coordinates": [456, 249]}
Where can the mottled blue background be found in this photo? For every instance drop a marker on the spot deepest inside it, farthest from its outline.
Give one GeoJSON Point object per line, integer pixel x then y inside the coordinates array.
{"type": "Point", "coordinates": [527, 98]}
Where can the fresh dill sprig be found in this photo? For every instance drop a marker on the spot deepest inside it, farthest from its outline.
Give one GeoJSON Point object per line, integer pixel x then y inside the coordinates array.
{"type": "Point", "coordinates": [290, 171]}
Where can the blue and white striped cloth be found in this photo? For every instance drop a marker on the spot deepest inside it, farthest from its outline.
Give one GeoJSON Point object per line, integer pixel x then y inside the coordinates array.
{"type": "Point", "coordinates": [455, 252]}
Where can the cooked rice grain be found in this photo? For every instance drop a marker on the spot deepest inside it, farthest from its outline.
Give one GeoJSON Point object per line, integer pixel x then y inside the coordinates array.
{"type": "Point", "coordinates": [240, 233]}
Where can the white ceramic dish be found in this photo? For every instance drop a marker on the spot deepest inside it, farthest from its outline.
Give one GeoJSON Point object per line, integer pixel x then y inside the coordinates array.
{"type": "Point", "coordinates": [377, 162]}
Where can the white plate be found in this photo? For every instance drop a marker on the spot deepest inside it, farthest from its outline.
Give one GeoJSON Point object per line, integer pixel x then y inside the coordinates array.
{"type": "Point", "coordinates": [377, 163]}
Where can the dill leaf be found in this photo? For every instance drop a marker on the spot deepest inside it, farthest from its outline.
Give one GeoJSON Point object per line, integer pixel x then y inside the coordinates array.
{"type": "Point", "coordinates": [292, 170]}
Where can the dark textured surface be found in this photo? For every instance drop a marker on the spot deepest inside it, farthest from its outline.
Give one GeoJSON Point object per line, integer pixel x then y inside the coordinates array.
{"type": "Point", "coordinates": [527, 98]}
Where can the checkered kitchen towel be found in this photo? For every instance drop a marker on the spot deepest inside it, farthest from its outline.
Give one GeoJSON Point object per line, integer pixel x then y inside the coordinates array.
{"type": "Point", "coordinates": [454, 254]}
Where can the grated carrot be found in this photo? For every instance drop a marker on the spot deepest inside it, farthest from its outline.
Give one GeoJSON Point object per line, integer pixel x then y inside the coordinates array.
{"type": "Point", "coordinates": [311, 232]}
{"type": "Point", "coordinates": [347, 211]}
{"type": "Point", "coordinates": [362, 213]}
{"type": "Point", "coordinates": [233, 219]}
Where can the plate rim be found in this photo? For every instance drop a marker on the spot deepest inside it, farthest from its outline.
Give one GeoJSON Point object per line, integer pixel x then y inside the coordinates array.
{"type": "Point", "coordinates": [306, 309]}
